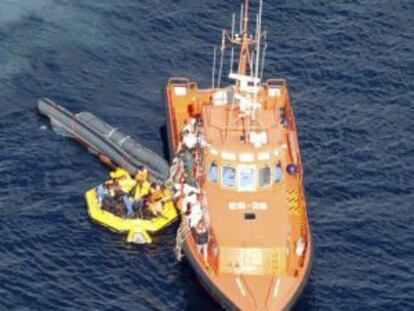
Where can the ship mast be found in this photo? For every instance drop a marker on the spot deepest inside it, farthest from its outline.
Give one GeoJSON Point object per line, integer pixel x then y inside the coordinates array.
{"type": "Point", "coordinates": [244, 51]}
{"type": "Point", "coordinates": [250, 71]}
{"type": "Point", "coordinates": [251, 54]}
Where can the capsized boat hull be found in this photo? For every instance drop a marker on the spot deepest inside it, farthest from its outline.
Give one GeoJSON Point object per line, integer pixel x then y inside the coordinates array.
{"type": "Point", "coordinates": [112, 147]}
{"type": "Point", "coordinates": [221, 298]}
{"type": "Point", "coordinates": [138, 230]}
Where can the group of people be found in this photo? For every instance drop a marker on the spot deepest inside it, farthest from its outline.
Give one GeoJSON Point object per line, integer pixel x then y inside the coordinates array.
{"type": "Point", "coordinates": [127, 196]}
{"type": "Point", "coordinates": [184, 179]}
{"type": "Point", "coordinates": [183, 166]}
{"type": "Point", "coordinates": [136, 196]}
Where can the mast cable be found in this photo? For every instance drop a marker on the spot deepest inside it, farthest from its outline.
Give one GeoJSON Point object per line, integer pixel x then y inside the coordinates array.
{"type": "Point", "coordinates": [251, 63]}
{"type": "Point", "coordinates": [241, 19]}
{"type": "Point", "coordinates": [259, 36]}
{"type": "Point", "coordinates": [233, 25]}
{"type": "Point", "coordinates": [223, 46]}
{"type": "Point", "coordinates": [231, 59]}
{"type": "Point", "coordinates": [220, 69]}
{"type": "Point", "coordinates": [263, 55]}
{"type": "Point", "coordinates": [213, 74]}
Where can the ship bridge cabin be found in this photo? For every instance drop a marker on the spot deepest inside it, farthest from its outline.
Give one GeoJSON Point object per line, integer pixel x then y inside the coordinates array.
{"type": "Point", "coordinates": [260, 135]}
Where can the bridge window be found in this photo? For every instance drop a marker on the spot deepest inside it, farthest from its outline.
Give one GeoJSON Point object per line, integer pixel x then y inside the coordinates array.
{"type": "Point", "coordinates": [213, 172]}
{"type": "Point", "coordinates": [278, 173]}
{"type": "Point", "coordinates": [264, 176]}
{"type": "Point", "coordinates": [229, 176]}
{"type": "Point", "coordinates": [247, 178]}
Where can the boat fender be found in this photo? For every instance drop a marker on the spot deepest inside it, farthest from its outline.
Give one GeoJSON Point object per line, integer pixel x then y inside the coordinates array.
{"type": "Point", "coordinates": [292, 169]}
{"type": "Point", "coordinates": [300, 247]}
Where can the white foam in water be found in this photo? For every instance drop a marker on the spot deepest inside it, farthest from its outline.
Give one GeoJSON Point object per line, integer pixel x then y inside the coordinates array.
{"type": "Point", "coordinates": [26, 22]}
{"type": "Point", "coordinates": [12, 11]}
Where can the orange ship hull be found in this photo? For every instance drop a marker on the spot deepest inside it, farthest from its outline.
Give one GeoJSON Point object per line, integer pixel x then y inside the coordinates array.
{"type": "Point", "coordinates": [225, 288]}
{"type": "Point", "coordinates": [245, 229]}
{"type": "Point", "coordinates": [213, 288]}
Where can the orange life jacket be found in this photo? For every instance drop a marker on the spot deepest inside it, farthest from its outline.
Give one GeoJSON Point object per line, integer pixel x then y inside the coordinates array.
{"type": "Point", "coordinates": [142, 176]}
{"type": "Point", "coordinates": [156, 195]}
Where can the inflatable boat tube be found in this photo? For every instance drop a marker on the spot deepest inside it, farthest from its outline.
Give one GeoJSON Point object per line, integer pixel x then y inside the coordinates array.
{"type": "Point", "coordinates": [138, 230]}
{"type": "Point", "coordinates": [112, 146]}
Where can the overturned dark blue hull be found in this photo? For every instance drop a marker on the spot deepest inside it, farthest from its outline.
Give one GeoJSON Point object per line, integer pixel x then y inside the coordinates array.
{"type": "Point", "coordinates": [113, 147]}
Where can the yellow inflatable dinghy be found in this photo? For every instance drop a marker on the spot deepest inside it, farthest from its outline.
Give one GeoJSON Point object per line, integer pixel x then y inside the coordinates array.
{"type": "Point", "coordinates": [137, 229]}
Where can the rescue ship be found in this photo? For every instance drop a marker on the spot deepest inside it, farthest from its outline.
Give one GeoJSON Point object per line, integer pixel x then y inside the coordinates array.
{"type": "Point", "coordinates": [245, 229]}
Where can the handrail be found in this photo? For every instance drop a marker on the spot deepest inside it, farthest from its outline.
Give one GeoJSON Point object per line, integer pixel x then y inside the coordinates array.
{"type": "Point", "coordinates": [181, 81]}
{"type": "Point", "coordinates": [178, 80]}
{"type": "Point", "coordinates": [276, 82]}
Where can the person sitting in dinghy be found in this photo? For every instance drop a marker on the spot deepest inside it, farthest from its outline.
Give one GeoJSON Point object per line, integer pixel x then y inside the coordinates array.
{"type": "Point", "coordinates": [167, 195]}
{"type": "Point", "coordinates": [156, 200]}
{"type": "Point", "coordinates": [142, 174]}
{"type": "Point", "coordinates": [137, 189]}
{"type": "Point", "coordinates": [112, 201]}
{"type": "Point", "coordinates": [102, 191]}
{"type": "Point", "coordinates": [106, 195]}
{"type": "Point", "coordinates": [142, 184]}
{"type": "Point", "coordinates": [106, 189]}
{"type": "Point", "coordinates": [140, 191]}
{"type": "Point", "coordinates": [119, 173]}
{"type": "Point", "coordinates": [123, 184]}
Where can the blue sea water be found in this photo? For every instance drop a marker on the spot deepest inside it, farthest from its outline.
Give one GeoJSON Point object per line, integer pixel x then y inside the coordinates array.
{"type": "Point", "coordinates": [350, 68]}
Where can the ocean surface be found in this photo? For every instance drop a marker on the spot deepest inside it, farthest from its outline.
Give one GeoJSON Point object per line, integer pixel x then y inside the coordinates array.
{"type": "Point", "coordinates": [350, 68]}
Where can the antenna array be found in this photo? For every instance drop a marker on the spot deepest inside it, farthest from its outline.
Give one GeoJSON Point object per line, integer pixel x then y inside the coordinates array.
{"type": "Point", "coordinates": [252, 49]}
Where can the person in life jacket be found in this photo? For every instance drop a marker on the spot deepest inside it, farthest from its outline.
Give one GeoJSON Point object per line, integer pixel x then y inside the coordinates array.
{"type": "Point", "coordinates": [142, 174]}
{"type": "Point", "coordinates": [119, 173]}
{"type": "Point", "coordinates": [142, 184]}
{"type": "Point", "coordinates": [111, 188]}
{"type": "Point", "coordinates": [125, 184]}
{"type": "Point", "coordinates": [140, 190]}
{"type": "Point", "coordinates": [154, 200]}
{"type": "Point", "coordinates": [167, 195]}
{"type": "Point", "coordinates": [137, 188]}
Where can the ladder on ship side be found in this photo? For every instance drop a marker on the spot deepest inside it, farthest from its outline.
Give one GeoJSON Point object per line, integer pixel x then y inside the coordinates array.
{"type": "Point", "coordinates": [182, 233]}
